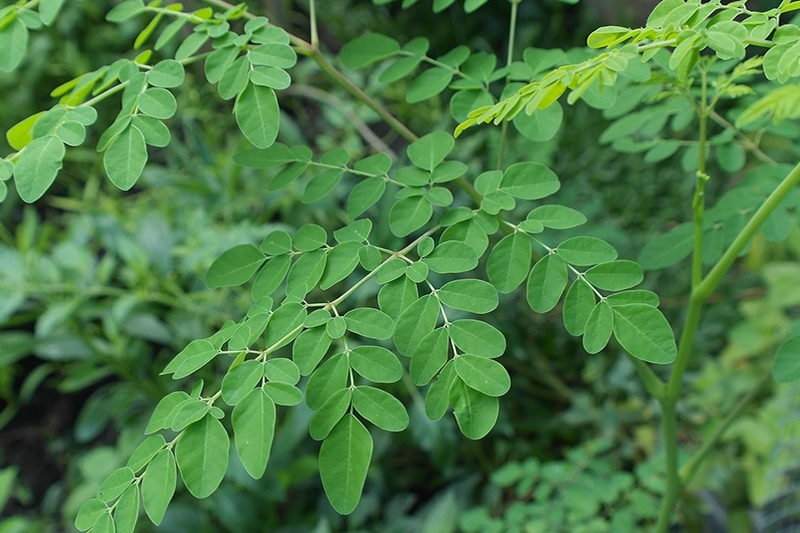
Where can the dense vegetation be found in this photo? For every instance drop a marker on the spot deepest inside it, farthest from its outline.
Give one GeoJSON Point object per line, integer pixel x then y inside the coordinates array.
{"type": "Point", "coordinates": [169, 214]}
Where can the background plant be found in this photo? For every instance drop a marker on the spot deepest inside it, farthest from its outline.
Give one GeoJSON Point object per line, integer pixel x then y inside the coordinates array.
{"type": "Point", "coordinates": [423, 190]}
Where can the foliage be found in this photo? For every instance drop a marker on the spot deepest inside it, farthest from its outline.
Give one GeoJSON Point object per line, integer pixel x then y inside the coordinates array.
{"type": "Point", "coordinates": [397, 270]}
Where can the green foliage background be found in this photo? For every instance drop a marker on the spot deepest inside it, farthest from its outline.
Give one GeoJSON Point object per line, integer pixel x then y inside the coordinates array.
{"type": "Point", "coordinates": [100, 288]}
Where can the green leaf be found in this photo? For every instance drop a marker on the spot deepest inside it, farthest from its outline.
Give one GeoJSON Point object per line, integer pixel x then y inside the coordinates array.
{"type": "Point", "coordinates": [417, 272]}
{"type": "Point", "coordinates": [187, 413]}
{"type": "Point", "coordinates": [125, 158]}
{"type": "Point", "coordinates": [143, 453]}
{"type": "Point", "coordinates": [310, 237]}
{"type": "Point", "coordinates": [482, 374]}
{"type": "Point", "coordinates": [326, 380]}
{"type": "Point", "coordinates": [370, 323]}
{"type": "Point", "coordinates": [37, 167]}
{"type": "Point", "coordinates": [409, 215]}
{"type": "Point", "coordinates": [240, 381]}
{"type": "Point", "coordinates": [342, 261]}
{"type": "Point", "coordinates": [48, 10]}
{"type": "Point", "coordinates": [154, 131]}
{"type": "Point", "coordinates": [307, 270]}
{"type": "Point", "coordinates": [452, 257]}
{"type": "Point", "coordinates": [253, 422]}
{"type": "Point", "coordinates": [329, 414]}
{"type": "Point", "coordinates": [202, 455]}
{"type": "Point", "coordinates": [364, 195]}
{"type": "Point", "coordinates": [367, 49]}
{"type": "Point", "coordinates": [644, 333]}
{"type": "Point", "coordinates": [380, 408]}
{"type": "Point", "coordinates": [395, 297]}
{"type": "Point", "coordinates": [196, 355]}
{"type": "Point", "coordinates": [415, 323]}
{"type": "Point", "coordinates": [336, 327]}
{"type": "Point", "coordinates": [438, 398]}
{"type": "Point", "coordinates": [509, 262]}
{"type": "Point", "coordinates": [546, 283]}
{"type": "Point", "coordinates": [615, 275]}
{"type": "Point", "coordinates": [158, 485]}
{"type": "Point", "coordinates": [279, 55]}
{"type": "Point", "coordinates": [473, 295]}
{"type": "Point", "coordinates": [557, 216]}
{"type": "Point", "coordinates": [428, 84]}
{"type": "Point", "coordinates": [598, 330]}
{"type": "Point", "coordinates": [125, 10]}
{"type": "Point", "coordinates": [168, 73]}
{"type": "Point", "coordinates": [586, 251]}
{"type": "Point", "coordinates": [163, 410]}
{"type": "Point", "coordinates": [391, 270]}
{"type": "Point", "coordinates": [287, 318]}
{"type": "Point", "coordinates": [309, 349]}
{"type": "Point", "coordinates": [127, 513]}
{"type": "Point", "coordinates": [234, 79]}
{"type": "Point", "coordinates": [273, 77]}
{"type": "Point", "coordinates": [668, 249]}
{"type": "Point", "coordinates": [283, 394]}
{"type": "Point", "coordinates": [115, 484]}
{"type": "Point", "coordinates": [529, 181]}
{"type": "Point", "coordinates": [343, 463]}
{"type": "Point", "coordinates": [104, 524]}
{"type": "Point", "coordinates": [428, 151]}
{"type": "Point", "coordinates": [157, 103]}
{"type": "Point", "coordinates": [89, 513]}
{"type": "Point", "coordinates": [478, 338]}
{"type": "Point", "coordinates": [258, 115]}
{"type": "Point", "coordinates": [321, 185]}
{"type": "Point", "coordinates": [271, 276]}
{"type": "Point", "coordinates": [578, 305]}
{"type": "Point", "coordinates": [786, 367]}
{"type": "Point", "coordinates": [358, 231]}
{"type": "Point", "coordinates": [234, 267]}
{"type": "Point", "coordinates": [13, 43]}
{"type": "Point", "coordinates": [429, 357]}
{"type": "Point", "coordinates": [476, 413]}
{"type": "Point", "coordinates": [634, 297]}
{"type": "Point", "coordinates": [376, 364]}
{"type": "Point", "coordinates": [282, 370]}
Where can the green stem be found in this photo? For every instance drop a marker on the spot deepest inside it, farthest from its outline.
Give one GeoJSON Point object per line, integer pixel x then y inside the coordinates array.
{"type": "Point", "coordinates": [669, 428]}
{"type": "Point", "coordinates": [312, 15]}
{"type": "Point", "coordinates": [654, 384]}
{"type": "Point", "coordinates": [509, 59]}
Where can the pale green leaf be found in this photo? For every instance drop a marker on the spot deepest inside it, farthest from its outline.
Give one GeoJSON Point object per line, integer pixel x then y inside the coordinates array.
{"type": "Point", "coordinates": [438, 398]}
{"type": "Point", "coordinates": [578, 304]}
{"type": "Point", "coordinates": [370, 323]}
{"type": "Point", "coordinates": [329, 414]}
{"type": "Point", "coordinates": [396, 296]}
{"type": "Point", "coordinates": [509, 262]}
{"type": "Point", "coordinates": [37, 167]}
{"type": "Point", "coordinates": [309, 349]}
{"type": "Point", "coordinates": [258, 115]}
{"type": "Point", "coordinates": [615, 275]}
{"type": "Point", "coordinates": [13, 43]}
{"type": "Point", "coordinates": [115, 484]}
{"type": "Point", "coordinates": [380, 408]}
{"type": "Point", "coordinates": [282, 370]}
{"type": "Point", "coordinates": [148, 449]}
{"type": "Point", "coordinates": [235, 266]}
{"type": "Point", "coordinates": [309, 238]}
{"type": "Point", "coordinates": [168, 73]}
{"type": "Point", "coordinates": [125, 158]}
{"type": "Point", "coordinates": [429, 357]}
{"type": "Point", "coordinates": [285, 323]}
{"type": "Point", "coordinates": [89, 513]}
{"type": "Point", "coordinates": [477, 338]}
{"type": "Point", "coordinates": [452, 257]}
{"type": "Point", "coordinates": [409, 215]}
{"type": "Point", "coordinates": [473, 295]}
{"type": "Point", "coordinates": [557, 216]}
{"type": "Point", "coordinates": [428, 151]}
{"type": "Point", "coordinates": [599, 327]}
{"type": "Point", "coordinates": [586, 251]}
{"type": "Point", "coordinates": [428, 84]}
{"type": "Point", "coordinates": [163, 410]}
{"type": "Point", "coordinates": [529, 181]}
{"type": "Point", "coordinates": [376, 364]}
{"type": "Point", "coordinates": [240, 381]}
{"type": "Point", "coordinates": [330, 377]}
{"type": "Point", "coordinates": [158, 485]}
{"type": "Point", "coordinates": [476, 413]}
{"type": "Point", "coordinates": [343, 463]}
{"type": "Point", "coordinates": [342, 261]}
{"type": "Point", "coordinates": [482, 374]}
{"type": "Point", "coordinates": [253, 422]}
{"type": "Point", "coordinates": [127, 512]}
{"type": "Point", "coordinates": [547, 283]}
{"type": "Point", "coordinates": [415, 323]}
{"type": "Point", "coordinates": [283, 393]}
{"type": "Point", "coordinates": [644, 333]}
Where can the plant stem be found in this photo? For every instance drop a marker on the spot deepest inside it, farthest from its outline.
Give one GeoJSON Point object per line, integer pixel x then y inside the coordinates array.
{"type": "Point", "coordinates": [654, 384]}
{"type": "Point", "coordinates": [509, 59]}
{"type": "Point", "coordinates": [312, 16]}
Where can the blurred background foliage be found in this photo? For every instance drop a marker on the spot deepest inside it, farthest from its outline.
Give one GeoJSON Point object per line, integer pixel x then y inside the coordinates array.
{"type": "Point", "coordinates": [100, 288]}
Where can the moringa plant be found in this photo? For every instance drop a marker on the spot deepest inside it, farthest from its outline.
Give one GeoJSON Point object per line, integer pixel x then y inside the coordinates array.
{"type": "Point", "coordinates": [335, 306]}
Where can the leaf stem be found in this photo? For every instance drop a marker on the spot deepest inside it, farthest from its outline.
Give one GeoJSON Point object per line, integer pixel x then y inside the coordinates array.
{"type": "Point", "coordinates": [312, 15]}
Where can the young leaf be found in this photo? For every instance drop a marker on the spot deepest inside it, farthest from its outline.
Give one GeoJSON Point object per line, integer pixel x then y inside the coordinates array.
{"type": "Point", "coordinates": [253, 422]}
{"type": "Point", "coordinates": [578, 305]}
{"type": "Point", "coordinates": [380, 408]}
{"type": "Point", "coordinates": [376, 364]}
{"type": "Point", "coordinates": [202, 455]}
{"type": "Point", "coordinates": [234, 267]}
{"type": "Point", "coordinates": [258, 115]}
{"type": "Point", "coordinates": [429, 357]}
{"type": "Point", "coordinates": [476, 413]}
{"type": "Point", "coordinates": [329, 414]}
{"type": "Point", "coordinates": [598, 330]}
{"type": "Point", "coordinates": [546, 283]}
{"type": "Point", "coordinates": [343, 463]}
{"type": "Point", "coordinates": [478, 338]}
{"type": "Point", "coordinates": [125, 158]}
{"type": "Point", "coordinates": [482, 374]}
{"type": "Point", "coordinates": [473, 295]}
{"type": "Point", "coordinates": [644, 333]}
{"type": "Point", "coordinates": [586, 251]}
{"type": "Point", "coordinates": [158, 485]}
{"type": "Point", "coordinates": [509, 262]}
{"type": "Point", "coordinates": [615, 275]}
{"type": "Point", "coordinates": [370, 323]}
{"type": "Point", "coordinates": [415, 323]}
